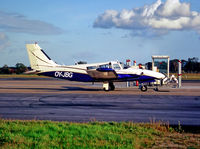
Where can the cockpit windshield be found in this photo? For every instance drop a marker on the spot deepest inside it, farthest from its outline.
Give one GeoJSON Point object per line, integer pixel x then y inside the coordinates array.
{"type": "Point", "coordinates": [116, 67]}
{"type": "Point", "coordinates": [110, 65]}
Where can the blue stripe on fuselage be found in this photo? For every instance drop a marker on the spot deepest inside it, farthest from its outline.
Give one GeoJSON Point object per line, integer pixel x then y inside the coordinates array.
{"type": "Point", "coordinates": [69, 76]}
{"type": "Point", "coordinates": [72, 76]}
{"type": "Point", "coordinates": [131, 77]}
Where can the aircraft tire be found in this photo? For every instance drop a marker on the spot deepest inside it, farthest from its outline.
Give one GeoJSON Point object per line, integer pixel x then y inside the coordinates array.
{"type": "Point", "coordinates": [111, 86]}
{"type": "Point", "coordinates": [105, 89]}
{"type": "Point", "coordinates": [143, 88]}
{"type": "Point", "coordinates": [156, 89]}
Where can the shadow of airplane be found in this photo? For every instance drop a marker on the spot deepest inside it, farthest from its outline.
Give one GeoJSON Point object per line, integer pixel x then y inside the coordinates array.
{"type": "Point", "coordinates": [64, 88]}
{"type": "Point", "coordinates": [70, 88]}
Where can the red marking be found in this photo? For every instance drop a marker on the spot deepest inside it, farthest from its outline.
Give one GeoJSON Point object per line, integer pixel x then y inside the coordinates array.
{"type": "Point", "coordinates": [128, 60]}
{"type": "Point", "coordinates": [179, 61]}
{"type": "Point", "coordinates": [179, 74]}
{"type": "Point", "coordinates": [134, 61]}
{"type": "Point", "coordinates": [136, 83]}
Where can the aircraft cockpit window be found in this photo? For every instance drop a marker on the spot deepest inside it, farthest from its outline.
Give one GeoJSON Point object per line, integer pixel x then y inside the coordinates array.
{"type": "Point", "coordinates": [116, 67]}
{"type": "Point", "coordinates": [91, 67]}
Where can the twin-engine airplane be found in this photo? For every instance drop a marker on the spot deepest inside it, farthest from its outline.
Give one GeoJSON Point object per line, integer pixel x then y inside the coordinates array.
{"type": "Point", "coordinates": [107, 72]}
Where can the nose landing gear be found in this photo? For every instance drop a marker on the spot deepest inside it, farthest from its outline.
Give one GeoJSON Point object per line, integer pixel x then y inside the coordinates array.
{"type": "Point", "coordinates": [108, 86]}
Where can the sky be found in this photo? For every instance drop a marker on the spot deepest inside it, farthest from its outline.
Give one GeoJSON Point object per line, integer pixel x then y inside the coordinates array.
{"type": "Point", "coordinates": [102, 30]}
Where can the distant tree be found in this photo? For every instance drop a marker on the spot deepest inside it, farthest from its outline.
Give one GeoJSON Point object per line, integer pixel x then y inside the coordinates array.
{"type": "Point", "coordinates": [189, 67]}
{"type": "Point", "coordinates": [5, 70]}
{"type": "Point", "coordinates": [163, 65]}
{"type": "Point", "coordinates": [194, 59]}
{"type": "Point", "coordinates": [149, 65]}
{"type": "Point", "coordinates": [192, 65]}
{"type": "Point", "coordinates": [173, 65]}
{"type": "Point", "coordinates": [184, 63]}
{"type": "Point", "coordinates": [198, 69]}
{"type": "Point", "coordinates": [20, 68]}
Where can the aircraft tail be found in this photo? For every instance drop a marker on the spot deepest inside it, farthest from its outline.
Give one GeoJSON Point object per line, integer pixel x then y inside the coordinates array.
{"type": "Point", "coordinates": [39, 60]}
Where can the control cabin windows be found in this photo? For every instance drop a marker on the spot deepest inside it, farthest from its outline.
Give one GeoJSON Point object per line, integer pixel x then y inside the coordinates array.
{"type": "Point", "coordinates": [115, 66]}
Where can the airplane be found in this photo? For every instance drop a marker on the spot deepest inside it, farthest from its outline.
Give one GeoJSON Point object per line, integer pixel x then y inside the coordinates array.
{"type": "Point", "coordinates": [106, 72]}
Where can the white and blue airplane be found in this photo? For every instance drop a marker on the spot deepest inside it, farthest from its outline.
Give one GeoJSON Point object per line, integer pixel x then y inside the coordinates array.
{"type": "Point", "coordinates": [107, 72]}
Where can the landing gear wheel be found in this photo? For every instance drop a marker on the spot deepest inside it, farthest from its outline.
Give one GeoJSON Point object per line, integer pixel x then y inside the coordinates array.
{"type": "Point", "coordinates": [156, 89]}
{"type": "Point", "coordinates": [111, 86]}
{"type": "Point", "coordinates": [108, 86]}
{"type": "Point", "coordinates": [143, 88]}
{"type": "Point", "coordinates": [105, 90]}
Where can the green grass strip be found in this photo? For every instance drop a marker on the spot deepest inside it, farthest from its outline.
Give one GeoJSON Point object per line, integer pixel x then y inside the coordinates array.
{"type": "Point", "coordinates": [48, 134]}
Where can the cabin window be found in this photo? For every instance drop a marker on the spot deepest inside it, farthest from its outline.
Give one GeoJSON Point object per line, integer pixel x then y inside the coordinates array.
{"type": "Point", "coordinates": [91, 67]}
{"type": "Point", "coordinates": [104, 66]}
{"type": "Point", "coordinates": [116, 67]}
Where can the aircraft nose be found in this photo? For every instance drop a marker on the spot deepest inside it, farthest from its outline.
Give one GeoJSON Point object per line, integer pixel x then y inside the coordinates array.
{"type": "Point", "coordinates": [162, 76]}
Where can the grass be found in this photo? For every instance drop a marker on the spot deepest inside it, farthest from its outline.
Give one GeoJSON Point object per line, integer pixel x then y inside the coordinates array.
{"type": "Point", "coordinates": [188, 76]}
{"type": "Point", "coordinates": [191, 76]}
{"type": "Point", "coordinates": [48, 134]}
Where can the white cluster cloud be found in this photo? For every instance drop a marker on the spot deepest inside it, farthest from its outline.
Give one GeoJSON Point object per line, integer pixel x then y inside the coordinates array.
{"type": "Point", "coordinates": [158, 17]}
{"type": "Point", "coordinates": [13, 22]}
{"type": "Point", "coordinates": [4, 42]}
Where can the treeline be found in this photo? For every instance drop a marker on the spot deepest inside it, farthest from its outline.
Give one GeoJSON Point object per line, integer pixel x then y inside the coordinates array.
{"type": "Point", "coordinates": [18, 69]}
{"type": "Point", "coordinates": [192, 65]}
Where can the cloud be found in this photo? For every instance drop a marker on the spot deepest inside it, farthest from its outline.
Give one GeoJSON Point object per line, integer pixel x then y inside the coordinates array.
{"type": "Point", "coordinates": [4, 41]}
{"type": "Point", "coordinates": [13, 22]}
{"type": "Point", "coordinates": [158, 18]}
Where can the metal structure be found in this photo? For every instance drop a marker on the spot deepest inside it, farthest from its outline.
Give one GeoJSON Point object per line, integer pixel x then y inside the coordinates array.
{"type": "Point", "coordinates": [179, 73]}
{"type": "Point", "coordinates": [134, 63]}
{"type": "Point", "coordinates": [128, 63]}
{"type": "Point", "coordinates": [161, 57]}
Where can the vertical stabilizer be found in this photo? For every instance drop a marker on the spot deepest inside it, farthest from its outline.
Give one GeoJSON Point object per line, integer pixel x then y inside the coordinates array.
{"type": "Point", "coordinates": [39, 60]}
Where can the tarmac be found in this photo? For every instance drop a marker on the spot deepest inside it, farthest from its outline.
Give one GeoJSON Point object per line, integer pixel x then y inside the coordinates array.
{"type": "Point", "coordinates": [61, 100]}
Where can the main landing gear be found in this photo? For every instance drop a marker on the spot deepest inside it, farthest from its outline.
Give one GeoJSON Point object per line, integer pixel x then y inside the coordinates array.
{"type": "Point", "coordinates": [144, 88]}
{"type": "Point", "coordinates": [156, 89]}
{"type": "Point", "coordinates": [108, 86]}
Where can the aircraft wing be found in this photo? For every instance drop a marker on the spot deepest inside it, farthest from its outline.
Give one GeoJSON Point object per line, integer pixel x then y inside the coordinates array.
{"type": "Point", "coordinates": [102, 73]}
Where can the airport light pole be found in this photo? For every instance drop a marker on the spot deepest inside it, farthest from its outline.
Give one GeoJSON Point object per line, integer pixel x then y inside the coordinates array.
{"type": "Point", "coordinates": [179, 73]}
{"type": "Point", "coordinates": [128, 63]}
{"type": "Point", "coordinates": [134, 62]}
